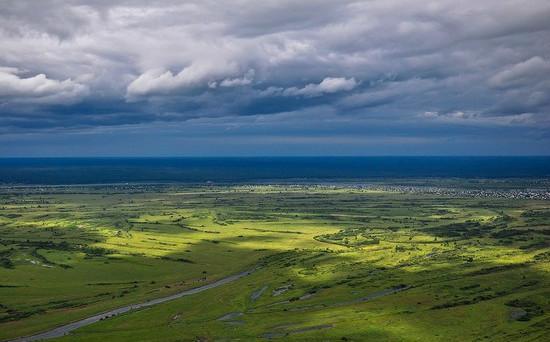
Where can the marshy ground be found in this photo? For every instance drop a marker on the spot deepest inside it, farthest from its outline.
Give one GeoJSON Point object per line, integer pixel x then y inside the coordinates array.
{"type": "Point", "coordinates": [335, 263]}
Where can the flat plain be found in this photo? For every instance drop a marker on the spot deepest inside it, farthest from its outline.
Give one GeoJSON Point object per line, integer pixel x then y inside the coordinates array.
{"type": "Point", "coordinates": [331, 262]}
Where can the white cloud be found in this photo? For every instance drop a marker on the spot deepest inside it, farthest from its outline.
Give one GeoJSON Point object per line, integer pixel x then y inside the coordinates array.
{"type": "Point", "coordinates": [38, 88]}
{"type": "Point", "coordinates": [327, 86]}
{"type": "Point", "coordinates": [234, 82]}
{"type": "Point", "coordinates": [476, 118]}
{"type": "Point", "coordinates": [159, 81]}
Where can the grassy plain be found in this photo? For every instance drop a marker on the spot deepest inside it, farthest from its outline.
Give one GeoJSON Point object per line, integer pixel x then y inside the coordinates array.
{"type": "Point", "coordinates": [337, 263]}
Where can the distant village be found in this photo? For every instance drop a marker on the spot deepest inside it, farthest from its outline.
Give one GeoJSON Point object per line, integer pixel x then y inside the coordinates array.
{"type": "Point", "coordinates": [536, 194]}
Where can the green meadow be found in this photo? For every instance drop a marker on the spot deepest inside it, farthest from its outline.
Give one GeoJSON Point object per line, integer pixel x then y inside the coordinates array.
{"type": "Point", "coordinates": [330, 263]}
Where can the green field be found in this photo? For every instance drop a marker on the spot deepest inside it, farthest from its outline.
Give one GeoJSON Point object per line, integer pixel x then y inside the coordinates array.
{"type": "Point", "coordinates": [334, 263]}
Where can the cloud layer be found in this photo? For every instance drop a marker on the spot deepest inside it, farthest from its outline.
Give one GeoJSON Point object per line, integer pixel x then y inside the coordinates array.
{"type": "Point", "coordinates": [82, 66]}
{"type": "Point", "coordinates": [38, 88]}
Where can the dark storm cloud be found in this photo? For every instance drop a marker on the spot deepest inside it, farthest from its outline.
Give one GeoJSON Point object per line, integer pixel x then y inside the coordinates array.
{"type": "Point", "coordinates": [79, 65]}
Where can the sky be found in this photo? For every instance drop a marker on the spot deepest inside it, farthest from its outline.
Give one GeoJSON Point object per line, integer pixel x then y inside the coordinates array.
{"type": "Point", "coordinates": [274, 77]}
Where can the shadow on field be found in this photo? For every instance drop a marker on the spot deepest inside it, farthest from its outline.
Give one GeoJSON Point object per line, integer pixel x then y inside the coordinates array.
{"type": "Point", "coordinates": [336, 294]}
